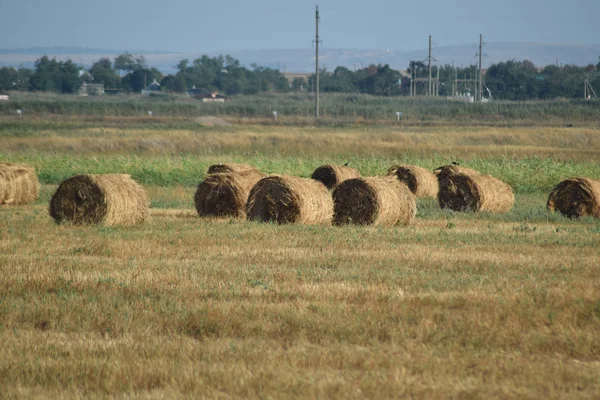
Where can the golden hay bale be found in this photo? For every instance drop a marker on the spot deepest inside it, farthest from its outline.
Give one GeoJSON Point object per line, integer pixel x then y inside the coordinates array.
{"type": "Point", "coordinates": [225, 194]}
{"type": "Point", "coordinates": [222, 168]}
{"type": "Point", "coordinates": [333, 175]}
{"type": "Point", "coordinates": [290, 200]}
{"type": "Point", "coordinates": [18, 184]}
{"type": "Point", "coordinates": [111, 199]}
{"type": "Point", "coordinates": [381, 200]}
{"type": "Point", "coordinates": [463, 189]}
{"type": "Point", "coordinates": [576, 197]}
{"type": "Point", "coordinates": [447, 170]}
{"type": "Point", "coordinates": [420, 181]}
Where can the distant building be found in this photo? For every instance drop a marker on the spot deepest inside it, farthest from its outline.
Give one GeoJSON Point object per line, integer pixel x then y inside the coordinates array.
{"type": "Point", "coordinates": [3, 96]}
{"type": "Point", "coordinates": [91, 89]}
{"type": "Point", "coordinates": [154, 87]}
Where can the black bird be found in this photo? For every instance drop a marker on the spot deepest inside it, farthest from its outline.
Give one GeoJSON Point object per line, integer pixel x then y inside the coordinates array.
{"type": "Point", "coordinates": [455, 163]}
{"type": "Point", "coordinates": [347, 163]}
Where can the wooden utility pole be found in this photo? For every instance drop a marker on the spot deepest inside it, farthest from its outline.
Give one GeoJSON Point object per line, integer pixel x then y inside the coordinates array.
{"type": "Point", "coordinates": [437, 82]}
{"type": "Point", "coordinates": [429, 67]}
{"type": "Point", "coordinates": [455, 83]}
{"type": "Point", "coordinates": [317, 63]}
{"type": "Point", "coordinates": [480, 81]}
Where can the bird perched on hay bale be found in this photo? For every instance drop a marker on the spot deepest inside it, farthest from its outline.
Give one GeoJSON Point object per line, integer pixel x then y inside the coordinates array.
{"type": "Point", "coordinates": [381, 200]}
{"type": "Point", "coordinates": [18, 184]}
{"type": "Point", "coordinates": [225, 194]}
{"type": "Point", "coordinates": [464, 189]}
{"type": "Point", "coordinates": [110, 199]}
{"type": "Point", "coordinates": [290, 200]}
{"type": "Point", "coordinates": [332, 175]}
{"type": "Point", "coordinates": [221, 168]}
{"type": "Point", "coordinates": [576, 197]}
{"type": "Point", "coordinates": [420, 181]}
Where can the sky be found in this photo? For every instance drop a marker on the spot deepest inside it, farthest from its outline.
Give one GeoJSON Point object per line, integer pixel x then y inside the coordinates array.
{"type": "Point", "coordinates": [213, 26]}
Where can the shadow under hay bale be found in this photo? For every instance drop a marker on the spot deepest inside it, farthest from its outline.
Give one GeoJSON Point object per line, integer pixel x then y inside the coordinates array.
{"type": "Point", "coordinates": [225, 194]}
{"type": "Point", "coordinates": [381, 200]}
{"type": "Point", "coordinates": [576, 197]}
{"type": "Point", "coordinates": [290, 200]}
{"type": "Point", "coordinates": [223, 168]}
{"type": "Point", "coordinates": [111, 199]}
{"type": "Point", "coordinates": [333, 175]}
{"type": "Point", "coordinates": [463, 189]}
{"type": "Point", "coordinates": [420, 181]}
{"type": "Point", "coordinates": [18, 184]}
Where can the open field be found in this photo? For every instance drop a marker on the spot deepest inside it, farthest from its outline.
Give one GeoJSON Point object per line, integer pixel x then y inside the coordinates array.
{"type": "Point", "coordinates": [459, 305]}
{"type": "Point", "coordinates": [294, 108]}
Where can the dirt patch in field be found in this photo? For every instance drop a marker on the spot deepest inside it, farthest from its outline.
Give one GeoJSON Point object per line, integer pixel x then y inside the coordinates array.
{"type": "Point", "coordinates": [212, 121]}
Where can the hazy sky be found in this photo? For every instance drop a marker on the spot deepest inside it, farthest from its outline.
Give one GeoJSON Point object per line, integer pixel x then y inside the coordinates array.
{"type": "Point", "coordinates": [203, 26]}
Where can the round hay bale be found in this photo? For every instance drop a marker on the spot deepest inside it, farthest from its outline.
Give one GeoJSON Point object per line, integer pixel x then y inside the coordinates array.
{"type": "Point", "coordinates": [576, 197]}
{"type": "Point", "coordinates": [111, 199]}
{"type": "Point", "coordinates": [463, 189]}
{"type": "Point", "coordinates": [332, 175]}
{"type": "Point", "coordinates": [18, 184]}
{"type": "Point", "coordinates": [420, 181]}
{"type": "Point", "coordinates": [381, 200]}
{"type": "Point", "coordinates": [225, 194]}
{"type": "Point", "coordinates": [223, 168]}
{"type": "Point", "coordinates": [448, 170]}
{"type": "Point", "coordinates": [290, 200]}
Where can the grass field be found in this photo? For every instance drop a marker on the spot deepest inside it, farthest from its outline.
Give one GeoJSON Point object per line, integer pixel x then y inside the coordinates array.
{"type": "Point", "coordinates": [455, 306]}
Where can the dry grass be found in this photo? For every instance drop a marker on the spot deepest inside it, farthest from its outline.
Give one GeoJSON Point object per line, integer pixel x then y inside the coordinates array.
{"type": "Point", "coordinates": [122, 136]}
{"type": "Point", "coordinates": [453, 306]}
{"type": "Point", "coordinates": [187, 307]}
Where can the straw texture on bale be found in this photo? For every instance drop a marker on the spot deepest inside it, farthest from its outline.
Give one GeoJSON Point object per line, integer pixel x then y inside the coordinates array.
{"type": "Point", "coordinates": [111, 199]}
{"type": "Point", "coordinates": [333, 175]}
{"type": "Point", "coordinates": [225, 194]}
{"type": "Point", "coordinates": [463, 189]}
{"type": "Point", "coordinates": [420, 181]}
{"type": "Point", "coordinates": [382, 200]}
{"type": "Point", "coordinates": [290, 200]}
{"type": "Point", "coordinates": [18, 184]}
{"type": "Point", "coordinates": [576, 197]}
{"type": "Point", "coordinates": [449, 170]}
{"type": "Point", "coordinates": [223, 168]}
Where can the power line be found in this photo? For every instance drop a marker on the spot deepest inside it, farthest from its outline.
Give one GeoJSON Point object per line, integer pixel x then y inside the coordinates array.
{"type": "Point", "coordinates": [316, 42]}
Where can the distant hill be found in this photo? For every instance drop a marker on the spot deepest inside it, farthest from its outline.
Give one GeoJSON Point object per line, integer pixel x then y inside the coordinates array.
{"type": "Point", "coordinates": [302, 60]}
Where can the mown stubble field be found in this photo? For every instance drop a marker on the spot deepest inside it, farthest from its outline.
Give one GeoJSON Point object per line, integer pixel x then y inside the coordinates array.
{"type": "Point", "coordinates": [455, 306]}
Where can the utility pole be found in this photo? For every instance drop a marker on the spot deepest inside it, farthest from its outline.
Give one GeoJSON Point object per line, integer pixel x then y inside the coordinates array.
{"type": "Point", "coordinates": [454, 83]}
{"type": "Point", "coordinates": [437, 82]}
{"type": "Point", "coordinates": [317, 62]}
{"type": "Point", "coordinates": [429, 67]}
{"type": "Point", "coordinates": [480, 95]}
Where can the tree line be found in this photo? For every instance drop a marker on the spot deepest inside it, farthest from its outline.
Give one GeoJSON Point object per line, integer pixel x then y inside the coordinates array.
{"type": "Point", "coordinates": [508, 80]}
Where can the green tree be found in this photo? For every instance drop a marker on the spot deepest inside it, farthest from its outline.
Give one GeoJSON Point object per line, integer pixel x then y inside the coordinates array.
{"type": "Point", "coordinates": [129, 63]}
{"type": "Point", "coordinates": [103, 72]}
{"type": "Point", "coordinates": [139, 79]}
{"type": "Point", "coordinates": [14, 79]}
{"type": "Point", "coordinates": [52, 75]}
{"type": "Point", "coordinates": [298, 83]}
